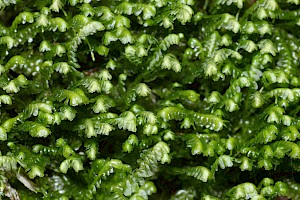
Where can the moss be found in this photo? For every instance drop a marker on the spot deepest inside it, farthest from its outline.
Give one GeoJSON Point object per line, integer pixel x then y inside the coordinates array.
{"type": "Point", "coordinates": [149, 99]}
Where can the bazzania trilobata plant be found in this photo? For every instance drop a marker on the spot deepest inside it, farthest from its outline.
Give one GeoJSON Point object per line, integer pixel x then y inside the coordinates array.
{"type": "Point", "coordinates": [149, 99]}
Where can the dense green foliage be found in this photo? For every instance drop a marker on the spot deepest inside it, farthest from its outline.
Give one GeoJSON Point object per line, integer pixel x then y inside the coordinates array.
{"type": "Point", "coordinates": [149, 99]}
